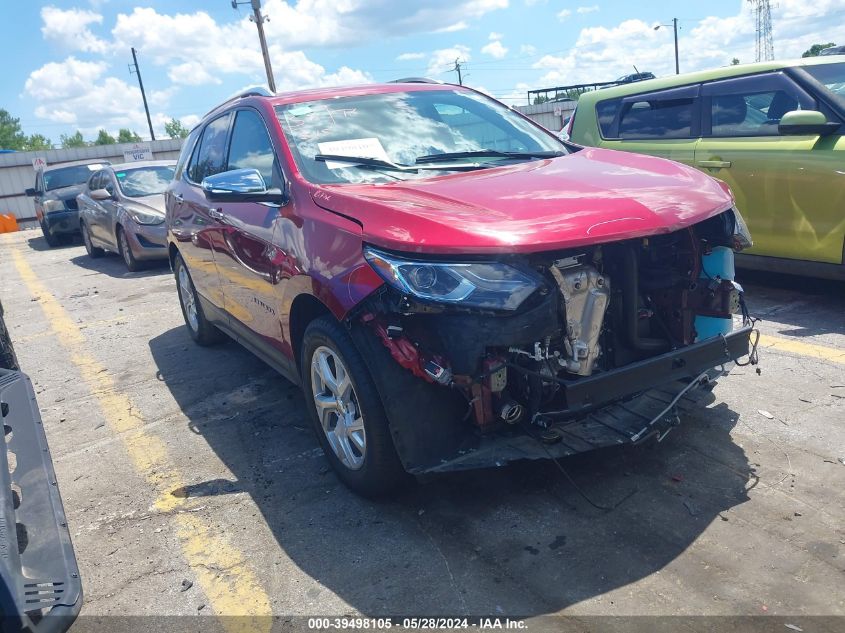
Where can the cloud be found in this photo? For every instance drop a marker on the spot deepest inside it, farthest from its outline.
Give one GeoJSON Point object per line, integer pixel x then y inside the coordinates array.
{"type": "Point", "coordinates": [452, 28]}
{"type": "Point", "coordinates": [528, 50]}
{"type": "Point", "coordinates": [406, 57]}
{"type": "Point", "coordinates": [70, 29]}
{"type": "Point", "coordinates": [564, 15]}
{"type": "Point", "coordinates": [495, 49]}
{"type": "Point", "coordinates": [495, 36]}
{"type": "Point", "coordinates": [585, 10]}
{"type": "Point", "coordinates": [191, 74]}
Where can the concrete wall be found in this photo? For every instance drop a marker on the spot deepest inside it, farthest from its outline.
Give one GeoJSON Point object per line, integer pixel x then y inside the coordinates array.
{"type": "Point", "coordinates": [550, 114]}
{"type": "Point", "coordinates": [16, 173]}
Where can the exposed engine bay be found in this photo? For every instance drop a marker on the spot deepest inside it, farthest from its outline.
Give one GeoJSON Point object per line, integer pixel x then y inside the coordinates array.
{"type": "Point", "coordinates": [605, 324]}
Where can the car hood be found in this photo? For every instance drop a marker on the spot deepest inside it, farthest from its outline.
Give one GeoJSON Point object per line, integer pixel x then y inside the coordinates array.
{"type": "Point", "coordinates": [589, 197]}
{"type": "Point", "coordinates": [64, 193]}
{"type": "Point", "coordinates": [150, 204]}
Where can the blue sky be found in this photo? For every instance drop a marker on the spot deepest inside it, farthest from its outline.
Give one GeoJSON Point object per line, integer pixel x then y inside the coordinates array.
{"type": "Point", "coordinates": [65, 62]}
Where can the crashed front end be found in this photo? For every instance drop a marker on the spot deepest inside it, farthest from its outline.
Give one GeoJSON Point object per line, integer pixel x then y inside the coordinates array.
{"type": "Point", "coordinates": [481, 361]}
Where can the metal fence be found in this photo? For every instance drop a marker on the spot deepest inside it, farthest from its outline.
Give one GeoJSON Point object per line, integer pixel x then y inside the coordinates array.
{"type": "Point", "coordinates": [17, 172]}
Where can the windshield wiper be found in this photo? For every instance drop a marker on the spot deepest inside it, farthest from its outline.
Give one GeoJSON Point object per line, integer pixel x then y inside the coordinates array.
{"type": "Point", "coordinates": [376, 163]}
{"type": "Point", "coordinates": [487, 153]}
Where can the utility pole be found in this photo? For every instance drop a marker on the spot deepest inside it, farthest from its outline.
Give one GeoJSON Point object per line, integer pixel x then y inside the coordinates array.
{"type": "Point", "coordinates": [677, 64]}
{"type": "Point", "coordinates": [457, 69]}
{"type": "Point", "coordinates": [259, 22]}
{"type": "Point", "coordinates": [137, 71]}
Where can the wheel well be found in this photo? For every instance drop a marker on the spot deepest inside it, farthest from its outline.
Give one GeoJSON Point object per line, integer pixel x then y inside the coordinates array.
{"type": "Point", "coordinates": [305, 309]}
{"type": "Point", "coordinates": [172, 252]}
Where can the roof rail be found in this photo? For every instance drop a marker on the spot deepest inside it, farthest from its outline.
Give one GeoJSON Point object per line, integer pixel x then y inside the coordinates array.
{"type": "Point", "coordinates": [415, 80]}
{"type": "Point", "coordinates": [252, 91]}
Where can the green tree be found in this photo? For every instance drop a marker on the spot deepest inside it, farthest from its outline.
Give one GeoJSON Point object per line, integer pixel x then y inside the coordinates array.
{"type": "Point", "coordinates": [125, 135]}
{"type": "Point", "coordinates": [11, 134]}
{"type": "Point", "coordinates": [175, 129]}
{"type": "Point", "coordinates": [735, 61]}
{"type": "Point", "coordinates": [38, 141]}
{"type": "Point", "coordinates": [73, 140]}
{"type": "Point", "coordinates": [104, 138]}
{"type": "Point", "coordinates": [815, 49]}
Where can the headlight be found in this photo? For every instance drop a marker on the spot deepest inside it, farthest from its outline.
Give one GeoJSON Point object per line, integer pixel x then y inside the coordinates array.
{"type": "Point", "coordinates": [144, 217]}
{"type": "Point", "coordinates": [54, 205]}
{"type": "Point", "coordinates": [741, 235]}
{"type": "Point", "coordinates": [472, 284]}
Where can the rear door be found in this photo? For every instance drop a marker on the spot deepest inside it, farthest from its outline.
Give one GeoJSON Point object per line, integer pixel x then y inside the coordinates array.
{"type": "Point", "coordinates": [664, 123]}
{"type": "Point", "coordinates": [191, 221]}
{"type": "Point", "coordinates": [787, 187]}
{"type": "Point", "coordinates": [109, 209]}
{"type": "Point", "coordinates": [94, 210]}
{"type": "Point", "coordinates": [247, 257]}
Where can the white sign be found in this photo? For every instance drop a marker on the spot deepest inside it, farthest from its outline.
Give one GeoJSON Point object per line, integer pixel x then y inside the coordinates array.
{"type": "Point", "coordinates": [39, 163]}
{"type": "Point", "coordinates": [138, 151]}
{"type": "Point", "coordinates": [360, 147]}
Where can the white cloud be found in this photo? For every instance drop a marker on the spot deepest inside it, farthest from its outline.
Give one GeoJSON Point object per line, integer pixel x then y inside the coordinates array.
{"type": "Point", "coordinates": [406, 57]}
{"type": "Point", "coordinates": [452, 28]}
{"type": "Point", "coordinates": [495, 49]}
{"type": "Point", "coordinates": [191, 73]}
{"type": "Point", "coordinates": [528, 50]}
{"type": "Point", "coordinates": [495, 36]}
{"type": "Point", "coordinates": [443, 60]}
{"type": "Point", "coordinates": [70, 28]}
{"type": "Point", "coordinates": [564, 15]}
{"type": "Point", "coordinates": [585, 10]}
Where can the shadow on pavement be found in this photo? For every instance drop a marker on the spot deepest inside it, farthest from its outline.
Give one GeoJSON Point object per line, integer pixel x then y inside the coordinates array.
{"type": "Point", "coordinates": [808, 306]}
{"type": "Point", "coordinates": [40, 244]}
{"type": "Point", "coordinates": [519, 540]}
{"type": "Point", "coordinates": [113, 266]}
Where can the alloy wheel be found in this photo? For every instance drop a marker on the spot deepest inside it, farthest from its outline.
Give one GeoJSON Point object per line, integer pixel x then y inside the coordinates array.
{"type": "Point", "coordinates": [337, 408]}
{"type": "Point", "coordinates": [188, 299]}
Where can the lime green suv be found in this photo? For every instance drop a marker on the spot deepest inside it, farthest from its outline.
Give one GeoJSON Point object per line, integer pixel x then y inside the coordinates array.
{"type": "Point", "coordinates": [773, 131]}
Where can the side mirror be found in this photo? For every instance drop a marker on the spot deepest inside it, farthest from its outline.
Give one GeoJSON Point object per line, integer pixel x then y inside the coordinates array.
{"type": "Point", "coordinates": [31, 192]}
{"type": "Point", "coordinates": [100, 194]}
{"type": "Point", "coordinates": [806, 122]}
{"type": "Point", "coordinates": [240, 185]}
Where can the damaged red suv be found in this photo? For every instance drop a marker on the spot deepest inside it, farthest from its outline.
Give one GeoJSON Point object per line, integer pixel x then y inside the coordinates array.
{"type": "Point", "coordinates": [453, 286]}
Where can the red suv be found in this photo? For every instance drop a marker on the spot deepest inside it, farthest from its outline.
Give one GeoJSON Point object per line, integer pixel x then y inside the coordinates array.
{"type": "Point", "coordinates": [452, 285]}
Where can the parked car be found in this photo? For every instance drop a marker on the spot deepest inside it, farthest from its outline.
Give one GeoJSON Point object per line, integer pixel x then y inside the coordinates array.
{"type": "Point", "coordinates": [40, 589]}
{"type": "Point", "coordinates": [634, 77]}
{"type": "Point", "coordinates": [773, 131]}
{"type": "Point", "coordinates": [450, 284]}
{"type": "Point", "coordinates": [833, 50]}
{"type": "Point", "coordinates": [121, 209]}
{"type": "Point", "coordinates": [55, 194]}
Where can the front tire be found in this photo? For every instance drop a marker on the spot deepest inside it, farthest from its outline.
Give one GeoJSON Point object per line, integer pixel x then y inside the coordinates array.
{"type": "Point", "coordinates": [93, 251]}
{"type": "Point", "coordinates": [347, 413]}
{"type": "Point", "coordinates": [132, 264]}
{"type": "Point", "coordinates": [52, 240]}
{"type": "Point", "coordinates": [200, 328]}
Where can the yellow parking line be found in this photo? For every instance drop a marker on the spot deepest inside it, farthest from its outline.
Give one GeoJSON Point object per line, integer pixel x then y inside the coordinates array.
{"type": "Point", "coordinates": [222, 571]}
{"type": "Point", "coordinates": [821, 352]}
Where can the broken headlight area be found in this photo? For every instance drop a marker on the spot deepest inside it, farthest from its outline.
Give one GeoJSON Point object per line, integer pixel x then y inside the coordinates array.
{"type": "Point", "coordinates": [612, 334]}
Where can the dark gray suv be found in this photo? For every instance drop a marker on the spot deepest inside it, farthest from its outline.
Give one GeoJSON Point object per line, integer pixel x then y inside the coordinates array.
{"type": "Point", "coordinates": [55, 194]}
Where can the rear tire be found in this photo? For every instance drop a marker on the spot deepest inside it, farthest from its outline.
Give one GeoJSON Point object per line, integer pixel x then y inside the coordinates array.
{"type": "Point", "coordinates": [347, 413]}
{"type": "Point", "coordinates": [52, 240]}
{"type": "Point", "coordinates": [200, 328]}
{"type": "Point", "coordinates": [93, 251]}
{"type": "Point", "coordinates": [132, 264]}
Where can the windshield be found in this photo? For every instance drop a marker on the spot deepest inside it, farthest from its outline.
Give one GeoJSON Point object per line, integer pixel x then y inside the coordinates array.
{"type": "Point", "coordinates": [68, 176]}
{"type": "Point", "coordinates": [402, 127]}
{"type": "Point", "coordinates": [144, 181]}
{"type": "Point", "coordinates": [832, 77]}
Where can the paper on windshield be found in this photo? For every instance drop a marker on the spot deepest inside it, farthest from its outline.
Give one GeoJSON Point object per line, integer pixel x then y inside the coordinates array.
{"type": "Point", "coordinates": [361, 147]}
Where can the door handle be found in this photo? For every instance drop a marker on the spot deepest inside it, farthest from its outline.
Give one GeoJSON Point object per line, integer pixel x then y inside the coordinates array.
{"type": "Point", "coordinates": [216, 214]}
{"type": "Point", "coordinates": [179, 197]}
{"type": "Point", "coordinates": [714, 164]}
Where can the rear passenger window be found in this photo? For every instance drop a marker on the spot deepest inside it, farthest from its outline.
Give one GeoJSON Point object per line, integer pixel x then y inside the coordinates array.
{"type": "Point", "coordinates": [210, 157]}
{"type": "Point", "coordinates": [606, 114]}
{"type": "Point", "coordinates": [657, 118]}
{"type": "Point", "coordinates": [250, 147]}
